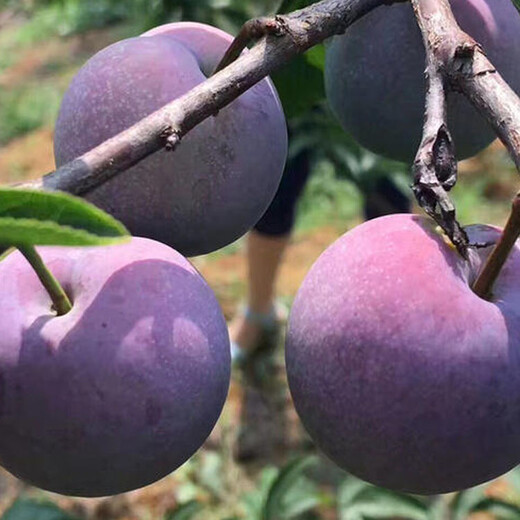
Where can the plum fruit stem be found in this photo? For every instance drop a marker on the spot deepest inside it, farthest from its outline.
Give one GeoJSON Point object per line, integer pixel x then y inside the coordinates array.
{"type": "Point", "coordinates": [483, 286]}
{"type": "Point", "coordinates": [60, 300]}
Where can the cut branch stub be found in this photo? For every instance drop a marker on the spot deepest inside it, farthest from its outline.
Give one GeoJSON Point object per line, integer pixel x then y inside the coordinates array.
{"type": "Point", "coordinates": [435, 174]}
{"type": "Point", "coordinates": [444, 158]}
{"type": "Point", "coordinates": [252, 30]}
{"type": "Point", "coordinates": [434, 200]}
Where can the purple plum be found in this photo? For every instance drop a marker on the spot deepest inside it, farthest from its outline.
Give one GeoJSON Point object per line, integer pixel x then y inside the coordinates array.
{"type": "Point", "coordinates": [221, 178]}
{"type": "Point", "coordinates": [124, 388]}
{"type": "Point", "coordinates": [375, 76]}
{"type": "Point", "coordinates": [402, 375]}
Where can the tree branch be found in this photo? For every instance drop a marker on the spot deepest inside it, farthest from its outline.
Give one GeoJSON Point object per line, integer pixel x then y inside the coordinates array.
{"type": "Point", "coordinates": [483, 286]}
{"type": "Point", "coordinates": [251, 31]}
{"type": "Point", "coordinates": [435, 166]}
{"type": "Point", "coordinates": [456, 62]}
{"type": "Point", "coordinates": [165, 128]}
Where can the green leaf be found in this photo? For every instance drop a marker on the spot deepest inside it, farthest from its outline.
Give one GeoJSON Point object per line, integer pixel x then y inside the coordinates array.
{"type": "Point", "coordinates": [517, 4]}
{"type": "Point", "coordinates": [438, 509]}
{"type": "Point", "coordinates": [500, 509]}
{"type": "Point", "coordinates": [210, 472]}
{"type": "Point", "coordinates": [316, 56]}
{"type": "Point", "coordinates": [29, 217]}
{"type": "Point", "coordinates": [185, 511]}
{"type": "Point", "coordinates": [367, 502]}
{"type": "Point", "coordinates": [253, 501]}
{"type": "Point", "coordinates": [287, 6]}
{"type": "Point", "coordinates": [277, 504]}
{"type": "Point", "coordinates": [300, 499]}
{"type": "Point", "coordinates": [33, 510]}
{"type": "Point", "coordinates": [465, 502]}
{"type": "Point", "coordinates": [5, 251]}
{"type": "Point", "coordinates": [300, 84]}
{"type": "Point", "coordinates": [513, 477]}
{"type": "Point", "coordinates": [351, 488]}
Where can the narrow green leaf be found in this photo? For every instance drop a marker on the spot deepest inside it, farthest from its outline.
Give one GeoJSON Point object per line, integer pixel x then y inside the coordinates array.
{"type": "Point", "coordinates": [383, 510]}
{"type": "Point", "coordinates": [300, 84]}
{"type": "Point", "coordinates": [500, 509]}
{"type": "Point", "coordinates": [465, 501]}
{"type": "Point", "coordinates": [29, 217]}
{"type": "Point", "coordinates": [18, 232]}
{"type": "Point", "coordinates": [33, 510]}
{"type": "Point", "coordinates": [253, 501]}
{"type": "Point", "coordinates": [284, 483]}
{"type": "Point", "coordinates": [367, 502]}
{"type": "Point", "coordinates": [185, 511]}
{"type": "Point", "coordinates": [5, 251]}
{"type": "Point", "coordinates": [438, 509]}
{"type": "Point", "coordinates": [349, 490]}
{"type": "Point", "coordinates": [316, 56]}
{"type": "Point", "coordinates": [513, 477]}
{"type": "Point", "coordinates": [300, 499]}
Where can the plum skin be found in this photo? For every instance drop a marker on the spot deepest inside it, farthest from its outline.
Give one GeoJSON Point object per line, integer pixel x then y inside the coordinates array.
{"type": "Point", "coordinates": [221, 178]}
{"type": "Point", "coordinates": [399, 372]}
{"type": "Point", "coordinates": [375, 76]}
{"type": "Point", "coordinates": [124, 388]}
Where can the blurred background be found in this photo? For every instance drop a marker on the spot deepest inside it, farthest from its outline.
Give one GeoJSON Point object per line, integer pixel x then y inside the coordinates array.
{"type": "Point", "coordinates": [258, 463]}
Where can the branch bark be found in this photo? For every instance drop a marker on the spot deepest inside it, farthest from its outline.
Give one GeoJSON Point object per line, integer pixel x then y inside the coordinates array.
{"type": "Point", "coordinates": [454, 61]}
{"type": "Point", "coordinates": [165, 128]}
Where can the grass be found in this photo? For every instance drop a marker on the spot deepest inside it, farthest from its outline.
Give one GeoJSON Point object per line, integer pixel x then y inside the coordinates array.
{"type": "Point", "coordinates": [34, 101]}
{"type": "Point", "coordinates": [484, 194]}
{"type": "Point", "coordinates": [64, 19]}
{"type": "Point", "coordinates": [28, 108]}
{"type": "Point", "coordinates": [327, 200]}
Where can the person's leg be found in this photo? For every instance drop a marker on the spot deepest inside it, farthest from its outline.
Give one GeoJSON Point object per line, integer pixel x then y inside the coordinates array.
{"type": "Point", "coordinates": [264, 256]}
{"type": "Point", "coordinates": [266, 245]}
{"type": "Point", "coordinates": [267, 242]}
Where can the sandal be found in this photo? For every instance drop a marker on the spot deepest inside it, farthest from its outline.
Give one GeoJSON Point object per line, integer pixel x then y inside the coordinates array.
{"type": "Point", "coordinates": [269, 324]}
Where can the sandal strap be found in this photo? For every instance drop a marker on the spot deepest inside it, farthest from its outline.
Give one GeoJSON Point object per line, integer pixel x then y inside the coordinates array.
{"type": "Point", "coordinates": [266, 320]}
{"type": "Point", "coordinates": [238, 354]}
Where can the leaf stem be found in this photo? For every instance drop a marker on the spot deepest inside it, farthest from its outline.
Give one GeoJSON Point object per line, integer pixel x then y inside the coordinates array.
{"type": "Point", "coordinates": [483, 286]}
{"type": "Point", "coordinates": [60, 300]}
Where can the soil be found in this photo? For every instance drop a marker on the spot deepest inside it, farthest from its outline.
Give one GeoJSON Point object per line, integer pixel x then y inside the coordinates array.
{"type": "Point", "coordinates": [41, 60]}
{"type": "Point", "coordinates": [27, 157]}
